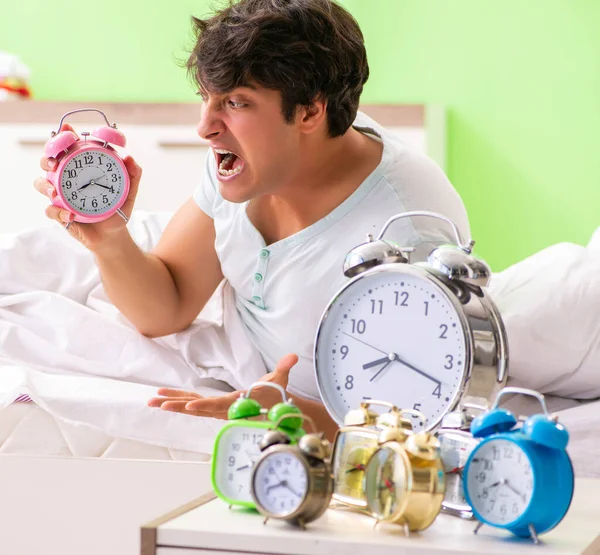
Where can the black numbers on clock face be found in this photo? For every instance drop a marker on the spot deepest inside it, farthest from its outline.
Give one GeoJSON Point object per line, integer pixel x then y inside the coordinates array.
{"type": "Point", "coordinates": [238, 451]}
{"type": "Point", "coordinates": [92, 182]}
{"type": "Point", "coordinates": [392, 337]}
{"type": "Point", "coordinates": [500, 481]}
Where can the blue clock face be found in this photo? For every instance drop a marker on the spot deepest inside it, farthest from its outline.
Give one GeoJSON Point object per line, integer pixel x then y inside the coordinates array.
{"type": "Point", "coordinates": [500, 481]}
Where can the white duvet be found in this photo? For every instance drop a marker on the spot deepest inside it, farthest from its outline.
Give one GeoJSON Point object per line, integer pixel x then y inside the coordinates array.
{"type": "Point", "coordinates": [65, 345]}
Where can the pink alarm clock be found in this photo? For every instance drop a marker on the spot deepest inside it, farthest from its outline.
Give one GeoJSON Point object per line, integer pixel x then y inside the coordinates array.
{"type": "Point", "coordinates": [91, 180]}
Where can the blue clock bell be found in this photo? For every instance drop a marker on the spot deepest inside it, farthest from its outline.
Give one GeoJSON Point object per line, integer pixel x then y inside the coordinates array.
{"type": "Point", "coordinates": [519, 477]}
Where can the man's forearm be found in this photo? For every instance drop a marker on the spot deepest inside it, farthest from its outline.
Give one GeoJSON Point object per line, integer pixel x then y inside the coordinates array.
{"type": "Point", "coordinates": [139, 285]}
{"type": "Point", "coordinates": [319, 414]}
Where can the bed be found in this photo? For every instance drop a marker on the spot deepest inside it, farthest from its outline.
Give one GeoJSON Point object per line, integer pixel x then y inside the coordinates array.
{"type": "Point", "coordinates": [101, 413]}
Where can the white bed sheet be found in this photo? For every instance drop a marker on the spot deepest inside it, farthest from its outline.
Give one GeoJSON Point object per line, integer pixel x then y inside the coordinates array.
{"type": "Point", "coordinates": [26, 429]}
{"type": "Point", "coordinates": [67, 347]}
{"type": "Point", "coordinates": [64, 344]}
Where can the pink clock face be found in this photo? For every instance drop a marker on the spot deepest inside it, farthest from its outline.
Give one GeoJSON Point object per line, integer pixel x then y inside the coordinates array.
{"type": "Point", "coordinates": [93, 182]}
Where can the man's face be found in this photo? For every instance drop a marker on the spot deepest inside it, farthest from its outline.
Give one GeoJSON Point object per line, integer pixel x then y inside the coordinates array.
{"type": "Point", "coordinates": [255, 149]}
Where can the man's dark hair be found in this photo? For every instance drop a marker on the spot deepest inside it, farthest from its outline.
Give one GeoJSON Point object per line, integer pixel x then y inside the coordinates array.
{"type": "Point", "coordinates": [306, 49]}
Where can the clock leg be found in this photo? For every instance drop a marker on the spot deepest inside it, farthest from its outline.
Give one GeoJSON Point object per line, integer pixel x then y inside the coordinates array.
{"type": "Point", "coordinates": [265, 520]}
{"type": "Point", "coordinates": [533, 533]}
{"type": "Point", "coordinates": [406, 529]}
{"type": "Point", "coordinates": [301, 524]}
{"type": "Point", "coordinates": [122, 214]}
{"type": "Point", "coordinates": [479, 525]}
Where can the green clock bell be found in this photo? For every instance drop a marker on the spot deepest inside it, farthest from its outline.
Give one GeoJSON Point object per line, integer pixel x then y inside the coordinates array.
{"type": "Point", "coordinates": [237, 445]}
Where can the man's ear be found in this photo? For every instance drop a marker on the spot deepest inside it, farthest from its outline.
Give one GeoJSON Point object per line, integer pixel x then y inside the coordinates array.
{"type": "Point", "coordinates": [313, 116]}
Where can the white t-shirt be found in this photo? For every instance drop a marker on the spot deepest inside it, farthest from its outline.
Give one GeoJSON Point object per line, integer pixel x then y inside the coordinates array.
{"type": "Point", "coordinates": [283, 288]}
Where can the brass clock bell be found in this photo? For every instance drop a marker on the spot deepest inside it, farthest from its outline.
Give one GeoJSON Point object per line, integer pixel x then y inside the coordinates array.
{"type": "Point", "coordinates": [404, 479]}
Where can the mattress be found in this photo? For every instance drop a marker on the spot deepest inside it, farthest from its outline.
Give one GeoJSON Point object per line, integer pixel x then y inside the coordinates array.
{"type": "Point", "coordinates": [27, 429]}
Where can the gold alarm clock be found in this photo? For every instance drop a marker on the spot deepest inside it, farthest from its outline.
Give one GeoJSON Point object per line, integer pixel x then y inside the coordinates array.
{"type": "Point", "coordinates": [354, 444]}
{"type": "Point", "coordinates": [405, 480]}
{"type": "Point", "coordinates": [292, 482]}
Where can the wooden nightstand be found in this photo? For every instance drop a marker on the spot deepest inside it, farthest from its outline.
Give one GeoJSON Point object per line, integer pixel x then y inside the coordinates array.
{"type": "Point", "coordinates": [207, 527]}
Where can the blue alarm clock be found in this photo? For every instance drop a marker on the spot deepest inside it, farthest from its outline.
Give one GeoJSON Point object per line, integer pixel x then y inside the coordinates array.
{"type": "Point", "coordinates": [519, 477]}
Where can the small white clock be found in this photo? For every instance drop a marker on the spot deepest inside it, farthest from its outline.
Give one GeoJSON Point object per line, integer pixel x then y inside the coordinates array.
{"type": "Point", "coordinates": [280, 483]}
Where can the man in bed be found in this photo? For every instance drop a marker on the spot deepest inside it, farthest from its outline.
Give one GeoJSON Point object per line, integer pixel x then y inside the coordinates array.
{"type": "Point", "coordinates": [295, 179]}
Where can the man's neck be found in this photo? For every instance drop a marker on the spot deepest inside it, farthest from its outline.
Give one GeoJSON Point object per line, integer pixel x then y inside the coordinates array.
{"type": "Point", "coordinates": [329, 172]}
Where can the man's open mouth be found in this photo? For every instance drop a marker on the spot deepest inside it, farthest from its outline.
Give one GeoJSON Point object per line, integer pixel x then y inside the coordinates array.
{"type": "Point", "coordinates": [228, 163]}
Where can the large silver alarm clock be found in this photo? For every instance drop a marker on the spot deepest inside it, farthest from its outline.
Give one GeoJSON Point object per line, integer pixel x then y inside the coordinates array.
{"type": "Point", "coordinates": [424, 336]}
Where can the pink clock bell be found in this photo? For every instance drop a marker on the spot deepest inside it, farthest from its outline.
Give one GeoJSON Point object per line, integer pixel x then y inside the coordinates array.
{"type": "Point", "coordinates": [91, 180]}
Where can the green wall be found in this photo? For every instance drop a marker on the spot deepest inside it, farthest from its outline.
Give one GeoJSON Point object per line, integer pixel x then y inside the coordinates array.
{"type": "Point", "coordinates": [520, 79]}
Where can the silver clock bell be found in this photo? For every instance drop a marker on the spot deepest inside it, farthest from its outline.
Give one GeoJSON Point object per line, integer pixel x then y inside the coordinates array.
{"type": "Point", "coordinates": [456, 262]}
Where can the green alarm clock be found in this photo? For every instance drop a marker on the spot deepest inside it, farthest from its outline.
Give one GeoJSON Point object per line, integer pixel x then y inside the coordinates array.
{"type": "Point", "coordinates": [237, 445]}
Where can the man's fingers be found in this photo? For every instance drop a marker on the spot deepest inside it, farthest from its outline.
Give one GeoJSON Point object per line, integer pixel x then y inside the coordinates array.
{"type": "Point", "coordinates": [176, 406]}
{"type": "Point", "coordinates": [67, 127]}
{"type": "Point", "coordinates": [58, 214]}
{"type": "Point", "coordinates": [44, 186]}
{"type": "Point", "coordinates": [169, 392]}
{"type": "Point", "coordinates": [159, 401]}
{"type": "Point", "coordinates": [48, 164]}
{"type": "Point", "coordinates": [286, 363]}
{"type": "Point", "coordinates": [53, 212]}
{"type": "Point", "coordinates": [135, 175]}
{"type": "Point", "coordinates": [182, 407]}
{"type": "Point", "coordinates": [212, 404]}
{"type": "Point", "coordinates": [135, 171]}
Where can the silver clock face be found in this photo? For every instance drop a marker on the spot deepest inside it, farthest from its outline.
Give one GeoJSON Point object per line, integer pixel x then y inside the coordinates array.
{"type": "Point", "coordinates": [280, 483]}
{"type": "Point", "coordinates": [500, 481]}
{"type": "Point", "coordinates": [237, 453]}
{"type": "Point", "coordinates": [455, 448]}
{"type": "Point", "coordinates": [392, 336]}
{"type": "Point", "coordinates": [92, 182]}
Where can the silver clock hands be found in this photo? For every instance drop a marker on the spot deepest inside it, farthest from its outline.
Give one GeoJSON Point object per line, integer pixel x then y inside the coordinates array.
{"type": "Point", "coordinates": [376, 362]}
{"type": "Point", "coordinates": [387, 360]}
{"type": "Point", "coordinates": [415, 369]}
{"type": "Point", "coordinates": [281, 483]}
{"type": "Point", "coordinates": [391, 356]}
{"type": "Point", "coordinates": [278, 485]}
{"type": "Point", "coordinates": [249, 465]}
{"type": "Point", "coordinates": [505, 482]}
{"type": "Point", "coordinates": [513, 489]}
{"type": "Point", "coordinates": [365, 343]}
{"type": "Point", "coordinates": [381, 370]}
{"type": "Point", "coordinates": [285, 483]}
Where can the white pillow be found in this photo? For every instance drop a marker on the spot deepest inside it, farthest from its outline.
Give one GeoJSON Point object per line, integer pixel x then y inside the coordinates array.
{"type": "Point", "coordinates": [550, 304]}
